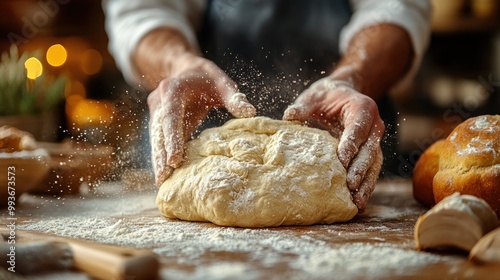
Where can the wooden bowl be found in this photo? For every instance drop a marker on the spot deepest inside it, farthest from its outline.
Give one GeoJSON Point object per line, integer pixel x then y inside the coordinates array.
{"type": "Point", "coordinates": [72, 164]}
{"type": "Point", "coordinates": [22, 171]}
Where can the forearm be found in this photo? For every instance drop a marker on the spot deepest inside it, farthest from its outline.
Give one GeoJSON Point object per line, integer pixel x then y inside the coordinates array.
{"type": "Point", "coordinates": [377, 57]}
{"type": "Point", "coordinates": [157, 52]}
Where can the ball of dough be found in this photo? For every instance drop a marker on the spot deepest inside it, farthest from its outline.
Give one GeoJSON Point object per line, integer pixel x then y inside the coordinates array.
{"type": "Point", "coordinates": [259, 172]}
{"type": "Point", "coordinates": [469, 163]}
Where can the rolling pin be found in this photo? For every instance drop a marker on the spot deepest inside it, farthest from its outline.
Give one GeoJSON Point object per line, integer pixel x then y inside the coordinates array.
{"type": "Point", "coordinates": [97, 260]}
{"type": "Point", "coordinates": [36, 257]}
{"type": "Point", "coordinates": [104, 262]}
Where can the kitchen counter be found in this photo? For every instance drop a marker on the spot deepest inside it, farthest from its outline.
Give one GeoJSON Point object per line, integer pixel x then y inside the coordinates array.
{"type": "Point", "coordinates": [377, 244]}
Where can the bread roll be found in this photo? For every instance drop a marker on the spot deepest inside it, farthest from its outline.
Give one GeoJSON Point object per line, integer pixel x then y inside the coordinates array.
{"type": "Point", "coordinates": [423, 174]}
{"type": "Point", "coordinates": [469, 162]}
{"type": "Point", "coordinates": [15, 140]}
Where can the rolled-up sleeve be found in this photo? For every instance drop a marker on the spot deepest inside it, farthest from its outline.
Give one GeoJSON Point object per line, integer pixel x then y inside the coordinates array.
{"type": "Point", "coordinates": [128, 21]}
{"type": "Point", "coordinates": [412, 15]}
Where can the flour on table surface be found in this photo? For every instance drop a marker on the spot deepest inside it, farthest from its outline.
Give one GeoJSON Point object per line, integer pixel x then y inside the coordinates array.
{"type": "Point", "coordinates": [188, 243]}
{"type": "Point", "coordinates": [213, 252]}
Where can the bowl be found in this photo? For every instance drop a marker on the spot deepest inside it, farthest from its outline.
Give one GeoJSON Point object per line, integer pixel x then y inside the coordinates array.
{"type": "Point", "coordinates": [22, 172]}
{"type": "Point", "coordinates": [72, 164]}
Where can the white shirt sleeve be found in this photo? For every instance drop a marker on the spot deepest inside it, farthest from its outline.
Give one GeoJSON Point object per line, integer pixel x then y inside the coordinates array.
{"type": "Point", "coordinates": [127, 21]}
{"type": "Point", "coordinates": [412, 15]}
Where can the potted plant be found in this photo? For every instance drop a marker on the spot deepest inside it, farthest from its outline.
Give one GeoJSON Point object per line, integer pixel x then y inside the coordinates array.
{"type": "Point", "coordinates": [27, 103]}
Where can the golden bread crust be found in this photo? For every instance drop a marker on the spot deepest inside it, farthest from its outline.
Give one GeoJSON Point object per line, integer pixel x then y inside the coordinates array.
{"type": "Point", "coordinates": [423, 174]}
{"type": "Point", "coordinates": [469, 163]}
{"type": "Point", "coordinates": [15, 140]}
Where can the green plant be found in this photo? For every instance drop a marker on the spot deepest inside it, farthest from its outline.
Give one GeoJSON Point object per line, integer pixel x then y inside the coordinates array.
{"type": "Point", "coordinates": [22, 96]}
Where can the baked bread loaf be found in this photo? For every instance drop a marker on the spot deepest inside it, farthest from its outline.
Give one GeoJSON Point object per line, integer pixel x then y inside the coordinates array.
{"type": "Point", "coordinates": [468, 162]}
{"type": "Point", "coordinates": [423, 174]}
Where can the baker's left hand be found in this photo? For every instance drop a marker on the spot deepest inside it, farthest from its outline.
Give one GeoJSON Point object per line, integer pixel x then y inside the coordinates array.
{"type": "Point", "coordinates": [351, 117]}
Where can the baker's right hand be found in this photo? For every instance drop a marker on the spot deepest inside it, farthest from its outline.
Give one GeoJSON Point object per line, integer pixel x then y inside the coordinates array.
{"type": "Point", "coordinates": [182, 101]}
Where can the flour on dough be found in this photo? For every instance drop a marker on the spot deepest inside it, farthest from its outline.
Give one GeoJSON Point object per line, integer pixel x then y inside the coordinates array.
{"type": "Point", "coordinates": [259, 172]}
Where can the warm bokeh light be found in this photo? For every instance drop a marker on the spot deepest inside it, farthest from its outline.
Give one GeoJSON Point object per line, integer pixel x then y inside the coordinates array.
{"type": "Point", "coordinates": [34, 68]}
{"type": "Point", "coordinates": [56, 55]}
{"type": "Point", "coordinates": [91, 112]}
{"type": "Point", "coordinates": [75, 88]}
{"type": "Point", "coordinates": [91, 62]}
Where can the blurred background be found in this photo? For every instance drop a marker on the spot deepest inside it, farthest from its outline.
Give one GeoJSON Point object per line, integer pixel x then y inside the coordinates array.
{"type": "Point", "coordinates": [62, 53]}
{"type": "Point", "coordinates": [65, 39]}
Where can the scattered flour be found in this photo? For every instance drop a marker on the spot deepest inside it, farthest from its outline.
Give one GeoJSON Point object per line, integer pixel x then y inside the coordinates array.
{"type": "Point", "coordinates": [205, 251]}
{"type": "Point", "coordinates": [188, 243]}
{"type": "Point", "coordinates": [221, 271]}
{"type": "Point", "coordinates": [358, 259]}
{"type": "Point", "coordinates": [383, 212]}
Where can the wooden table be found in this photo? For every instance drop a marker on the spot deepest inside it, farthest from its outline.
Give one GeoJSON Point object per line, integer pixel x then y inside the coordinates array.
{"type": "Point", "coordinates": [377, 244]}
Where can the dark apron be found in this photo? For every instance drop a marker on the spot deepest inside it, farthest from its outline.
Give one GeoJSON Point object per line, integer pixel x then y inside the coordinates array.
{"type": "Point", "coordinates": [274, 49]}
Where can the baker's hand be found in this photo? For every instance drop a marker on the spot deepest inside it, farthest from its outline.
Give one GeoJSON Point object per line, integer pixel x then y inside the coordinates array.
{"type": "Point", "coordinates": [181, 102]}
{"type": "Point", "coordinates": [353, 118]}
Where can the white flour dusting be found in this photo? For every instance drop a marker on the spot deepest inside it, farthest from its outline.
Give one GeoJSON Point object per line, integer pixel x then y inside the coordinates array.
{"type": "Point", "coordinates": [396, 261]}
{"type": "Point", "coordinates": [478, 146]}
{"type": "Point", "coordinates": [482, 143]}
{"type": "Point", "coordinates": [188, 243]}
{"type": "Point", "coordinates": [482, 123]}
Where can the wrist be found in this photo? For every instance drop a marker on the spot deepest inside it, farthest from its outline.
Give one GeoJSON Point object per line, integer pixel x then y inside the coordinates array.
{"type": "Point", "coordinates": [347, 75]}
{"type": "Point", "coordinates": [157, 54]}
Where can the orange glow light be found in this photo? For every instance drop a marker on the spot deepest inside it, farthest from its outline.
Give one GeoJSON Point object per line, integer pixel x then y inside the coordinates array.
{"type": "Point", "coordinates": [33, 67]}
{"type": "Point", "coordinates": [91, 62]}
{"type": "Point", "coordinates": [56, 55]}
{"type": "Point", "coordinates": [87, 112]}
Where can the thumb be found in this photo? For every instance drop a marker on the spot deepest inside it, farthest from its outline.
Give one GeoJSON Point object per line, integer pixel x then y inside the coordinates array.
{"type": "Point", "coordinates": [296, 112]}
{"type": "Point", "coordinates": [238, 105]}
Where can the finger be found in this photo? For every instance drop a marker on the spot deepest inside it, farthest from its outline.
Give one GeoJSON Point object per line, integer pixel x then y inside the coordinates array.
{"type": "Point", "coordinates": [301, 110]}
{"type": "Point", "coordinates": [158, 153]}
{"type": "Point", "coordinates": [163, 176]}
{"type": "Point", "coordinates": [238, 105]}
{"type": "Point", "coordinates": [357, 125]}
{"type": "Point", "coordinates": [173, 134]}
{"type": "Point", "coordinates": [173, 110]}
{"type": "Point", "coordinates": [362, 196]}
{"type": "Point", "coordinates": [233, 100]}
{"type": "Point", "coordinates": [296, 112]}
{"type": "Point", "coordinates": [364, 159]}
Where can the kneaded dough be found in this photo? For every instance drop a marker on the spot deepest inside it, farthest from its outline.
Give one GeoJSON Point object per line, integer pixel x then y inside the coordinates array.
{"type": "Point", "coordinates": [259, 172]}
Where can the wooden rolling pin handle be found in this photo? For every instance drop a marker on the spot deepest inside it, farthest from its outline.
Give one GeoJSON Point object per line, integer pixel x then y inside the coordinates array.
{"type": "Point", "coordinates": [109, 263]}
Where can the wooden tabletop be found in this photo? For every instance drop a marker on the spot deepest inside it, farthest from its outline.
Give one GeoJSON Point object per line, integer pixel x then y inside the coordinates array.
{"type": "Point", "coordinates": [377, 244]}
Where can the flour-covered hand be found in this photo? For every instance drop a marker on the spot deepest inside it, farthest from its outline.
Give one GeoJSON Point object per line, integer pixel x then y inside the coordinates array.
{"type": "Point", "coordinates": [354, 119]}
{"type": "Point", "coordinates": [180, 103]}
